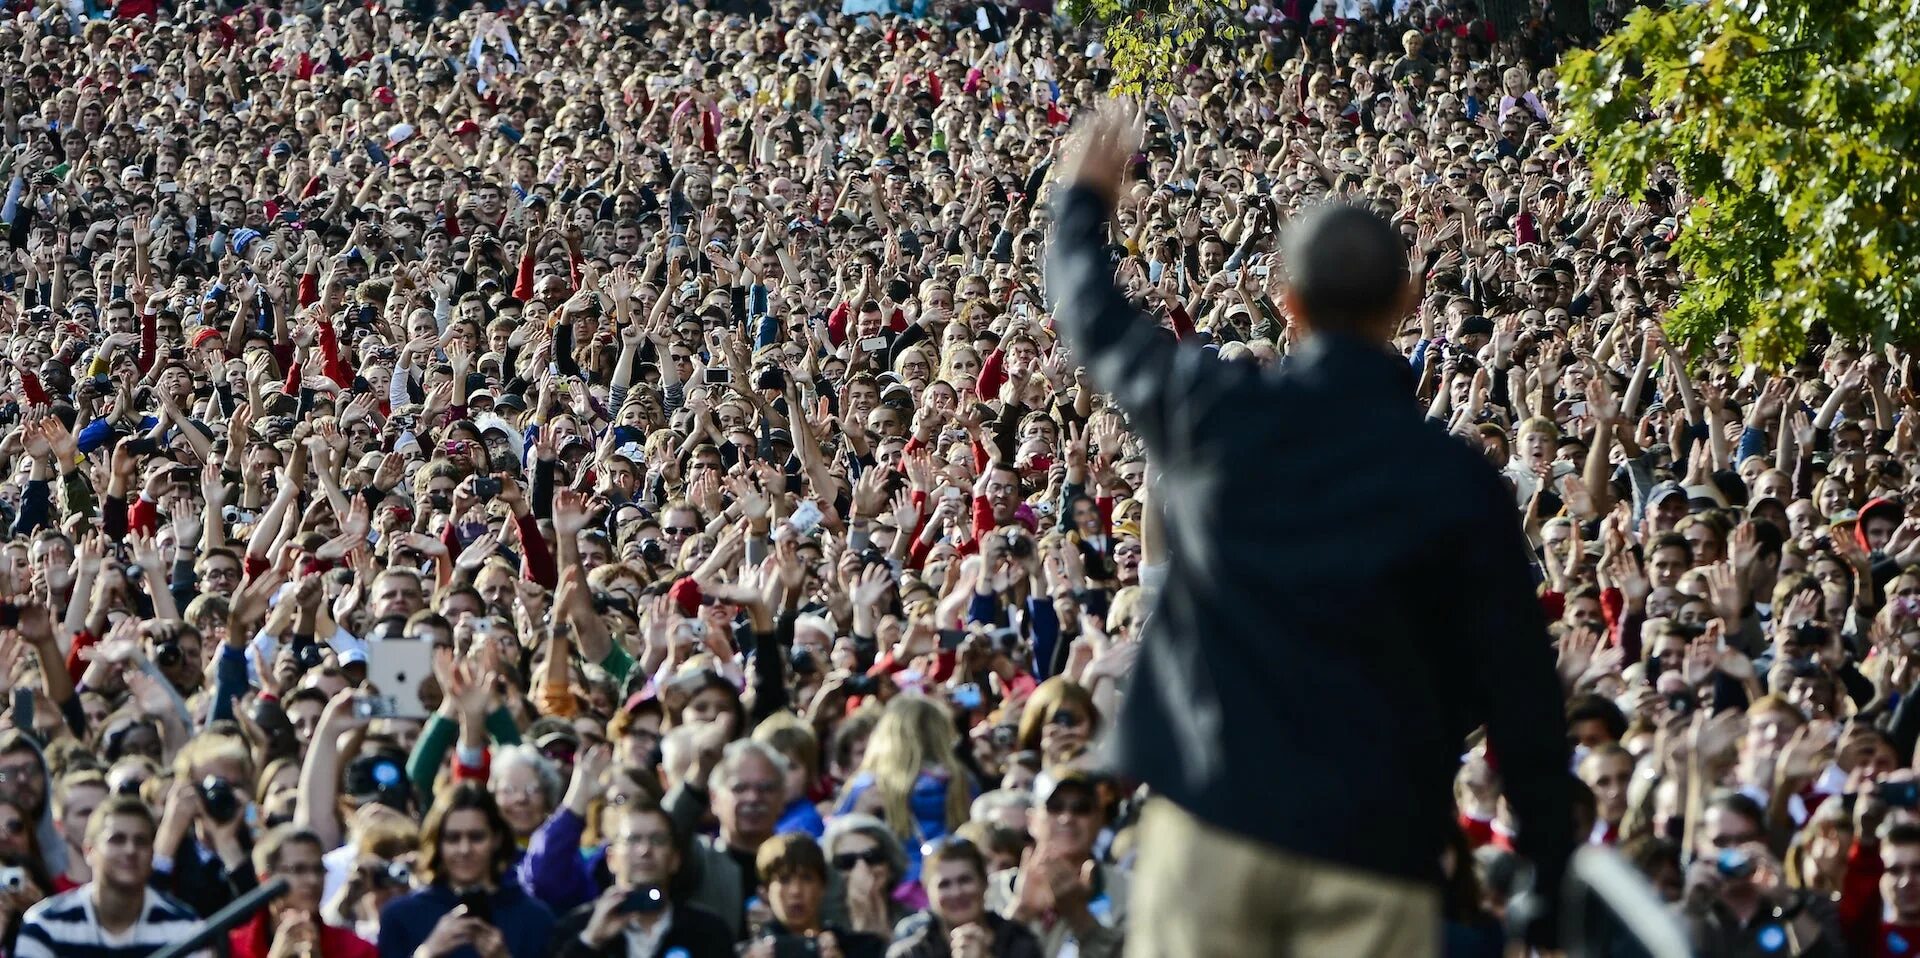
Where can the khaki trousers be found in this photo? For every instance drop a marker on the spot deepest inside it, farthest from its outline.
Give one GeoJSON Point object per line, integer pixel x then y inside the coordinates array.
{"type": "Point", "coordinates": [1200, 892]}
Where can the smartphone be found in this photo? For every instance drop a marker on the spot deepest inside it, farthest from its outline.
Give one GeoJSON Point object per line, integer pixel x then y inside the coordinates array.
{"type": "Point", "coordinates": [860, 685]}
{"type": "Point", "coordinates": [873, 344]}
{"type": "Point", "coordinates": [717, 376]}
{"type": "Point", "coordinates": [1899, 794]}
{"type": "Point", "coordinates": [1579, 409]}
{"type": "Point", "coordinates": [806, 517]}
{"type": "Point", "coordinates": [950, 639]}
{"type": "Point", "coordinates": [967, 696]}
{"type": "Point", "coordinates": [169, 187]}
{"type": "Point", "coordinates": [644, 900]}
{"type": "Point", "coordinates": [477, 905]}
{"type": "Point", "coordinates": [22, 708]}
{"type": "Point", "coordinates": [373, 706]}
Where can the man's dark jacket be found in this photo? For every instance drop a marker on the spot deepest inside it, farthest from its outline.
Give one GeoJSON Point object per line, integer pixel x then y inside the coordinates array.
{"type": "Point", "coordinates": [697, 931]}
{"type": "Point", "coordinates": [1347, 594]}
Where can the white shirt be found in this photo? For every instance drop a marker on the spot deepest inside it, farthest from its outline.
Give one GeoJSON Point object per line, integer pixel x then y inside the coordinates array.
{"type": "Point", "coordinates": [643, 942]}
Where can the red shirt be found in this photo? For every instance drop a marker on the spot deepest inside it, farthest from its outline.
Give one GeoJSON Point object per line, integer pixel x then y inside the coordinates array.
{"type": "Point", "coordinates": [252, 941]}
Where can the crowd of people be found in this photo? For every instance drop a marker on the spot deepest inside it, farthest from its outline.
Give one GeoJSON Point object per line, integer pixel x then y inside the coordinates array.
{"type": "Point", "coordinates": [603, 480]}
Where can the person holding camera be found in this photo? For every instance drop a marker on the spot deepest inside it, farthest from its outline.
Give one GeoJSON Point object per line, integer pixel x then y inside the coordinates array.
{"type": "Point", "coordinates": [638, 916]}
{"type": "Point", "coordinates": [203, 849]}
{"type": "Point", "coordinates": [1737, 900]}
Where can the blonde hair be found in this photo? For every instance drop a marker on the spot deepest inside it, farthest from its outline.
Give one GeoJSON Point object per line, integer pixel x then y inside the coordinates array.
{"type": "Point", "coordinates": [203, 749]}
{"type": "Point", "coordinates": [947, 358]}
{"type": "Point", "coordinates": [914, 732]}
{"type": "Point", "coordinates": [1539, 424]}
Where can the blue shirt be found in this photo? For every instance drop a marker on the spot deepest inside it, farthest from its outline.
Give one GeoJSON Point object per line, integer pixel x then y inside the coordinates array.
{"type": "Point", "coordinates": [800, 816]}
{"type": "Point", "coordinates": [406, 922]}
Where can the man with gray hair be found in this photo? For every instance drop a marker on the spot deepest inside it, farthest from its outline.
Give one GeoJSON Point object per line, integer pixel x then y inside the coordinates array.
{"type": "Point", "coordinates": [747, 789]}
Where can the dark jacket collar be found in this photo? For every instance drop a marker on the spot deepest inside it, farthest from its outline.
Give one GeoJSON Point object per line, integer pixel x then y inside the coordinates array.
{"type": "Point", "coordinates": [1351, 362]}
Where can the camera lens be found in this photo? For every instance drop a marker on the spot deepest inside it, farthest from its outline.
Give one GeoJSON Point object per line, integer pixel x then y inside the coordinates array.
{"type": "Point", "coordinates": [167, 655]}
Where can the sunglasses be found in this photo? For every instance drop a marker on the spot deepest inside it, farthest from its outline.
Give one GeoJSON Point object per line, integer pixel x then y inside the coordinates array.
{"type": "Point", "coordinates": [679, 530]}
{"type": "Point", "coordinates": [845, 861]}
{"type": "Point", "coordinates": [1070, 806]}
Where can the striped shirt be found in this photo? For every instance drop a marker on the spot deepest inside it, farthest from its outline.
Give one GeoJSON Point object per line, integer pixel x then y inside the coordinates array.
{"type": "Point", "coordinates": [65, 926]}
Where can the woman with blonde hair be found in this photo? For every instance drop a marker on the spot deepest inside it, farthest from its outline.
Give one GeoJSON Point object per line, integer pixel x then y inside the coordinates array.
{"type": "Point", "coordinates": [914, 366]}
{"type": "Point", "coordinates": [911, 777]}
{"type": "Point", "coordinates": [960, 365]}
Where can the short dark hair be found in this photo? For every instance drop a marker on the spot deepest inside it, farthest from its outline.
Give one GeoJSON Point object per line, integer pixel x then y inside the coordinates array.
{"type": "Point", "coordinates": [1905, 833]}
{"type": "Point", "coordinates": [1347, 265]}
{"type": "Point", "coordinates": [1582, 708]}
{"type": "Point", "coordinates": [783, 857]}
{"type": "Point", "coordinates": [958, 850]}
{"type": "Point", "coordinates": [1737, 804]}
{"type": "Point", "coordinates": [266, 854]}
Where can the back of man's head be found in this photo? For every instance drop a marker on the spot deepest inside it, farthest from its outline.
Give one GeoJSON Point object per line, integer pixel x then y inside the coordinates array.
{"type": "Point", "coordinates": [1346, 270]}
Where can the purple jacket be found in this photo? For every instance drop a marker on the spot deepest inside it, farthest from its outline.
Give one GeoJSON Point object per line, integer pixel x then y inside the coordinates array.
{"type": "Point", "coordinates": [557, 869]}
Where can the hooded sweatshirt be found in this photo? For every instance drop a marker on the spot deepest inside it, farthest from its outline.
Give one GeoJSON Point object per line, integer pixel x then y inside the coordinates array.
{"type": "Point", "coordinates": [53, 847]}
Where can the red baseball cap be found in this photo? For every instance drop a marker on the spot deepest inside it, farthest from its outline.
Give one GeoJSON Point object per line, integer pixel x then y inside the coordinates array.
{"type": "Point", "coordinates": [465, 127]}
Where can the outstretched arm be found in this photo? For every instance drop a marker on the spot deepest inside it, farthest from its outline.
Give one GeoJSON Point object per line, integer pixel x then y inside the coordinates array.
{"type": "Point", "coordinates": [1166, 391]}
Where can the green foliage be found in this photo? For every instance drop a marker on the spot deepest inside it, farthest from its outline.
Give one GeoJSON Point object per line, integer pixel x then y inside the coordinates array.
{"type": "Point", "coordinates": [1789, 124]}
{"type": "Point", "coordinates": [1151, 43]}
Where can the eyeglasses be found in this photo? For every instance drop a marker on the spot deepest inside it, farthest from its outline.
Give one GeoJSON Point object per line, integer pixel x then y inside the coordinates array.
{"type": "Point", "coordinates": [528, 791]}
{"type": "Point", "coordinates": [658, 841]}
{"type": "Point", "coordinates": [1064, 806]}
{"type": "Point", "coordinates": [20, 773]}
{"type": "Point", "coordinates": [1733, 841]}
{"type": "Point", "coordinates": [679, 530]}
{"type": "Point", "coordinates": [845, 861]}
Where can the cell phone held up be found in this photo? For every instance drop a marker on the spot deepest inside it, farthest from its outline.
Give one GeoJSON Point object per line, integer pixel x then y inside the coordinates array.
{"type": "Point", "coordinates": [476, 904]}
{"type": "Point", "coordinates": [1899, 794]}
{"type": "Point", "coordinates": [644, 900]}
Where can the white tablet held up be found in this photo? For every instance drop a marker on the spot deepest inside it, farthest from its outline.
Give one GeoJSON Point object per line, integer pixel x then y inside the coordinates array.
{"type": "Point", "coordinates": [395, 669]}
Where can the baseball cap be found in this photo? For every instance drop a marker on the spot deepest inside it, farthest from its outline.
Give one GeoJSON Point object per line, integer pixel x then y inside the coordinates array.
{"type": "Point", "coordinates": [1049, 783]}
{"type": "Point", "coordinates": [1664, 490]}
{"type": "Point", "coordinates": [465, 127]}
